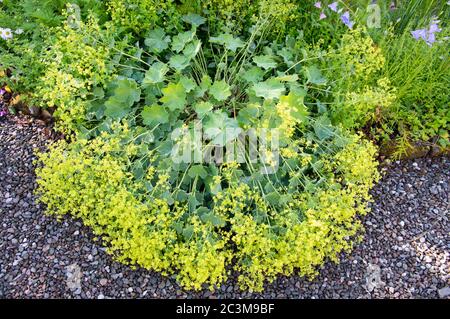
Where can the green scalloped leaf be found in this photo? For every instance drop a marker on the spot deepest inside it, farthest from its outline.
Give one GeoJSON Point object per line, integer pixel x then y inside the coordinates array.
{"type": "Point", "coordinates": [188, 83]}
{"type": "Point", "coordinates": [220, 128]}
{"type": "Point", "coordinates": [125, 94]}
{"type": "Point", "coordinates": [155, 114]}
{"type": "Point", "coordinates": [228, 41]}
{"type": "Point", "coordinates": [253, 75]}
{"type": "Point", "coordinates": [193, 19]}
{"type": "Point", "coordinates": [314, 75]}
{"type": "Point", "coordinates": [197, 171]}
{"type": "Point", "coordinates": [220, 90]}
{"type": "Point", "coordinates": [157, 41]}
{"type": "Point", "coordinates": [180, 40]}
{"type": "Point", "coordinates": [202, 108]}
{"type": "Point", "coordinates": [156, 73]}
{"type": "Point", "coordinates": [192, 49]}
{"type": "Point", "coordinates": [174, 96]}
{"type": "Point", "coordinates": [179, 62]}
{"type": "Point", "coordinates": [265, 61]}
{"type": "Point", "coordinates": [269, 89]}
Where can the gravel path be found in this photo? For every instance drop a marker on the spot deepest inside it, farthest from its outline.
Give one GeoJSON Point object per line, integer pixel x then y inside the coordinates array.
{"type": "Point", "coordinates": [405, 253]}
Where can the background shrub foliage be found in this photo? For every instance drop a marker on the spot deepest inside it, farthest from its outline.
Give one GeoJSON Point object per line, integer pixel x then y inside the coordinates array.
{"type": "Point", "coordinates": [124, 74]}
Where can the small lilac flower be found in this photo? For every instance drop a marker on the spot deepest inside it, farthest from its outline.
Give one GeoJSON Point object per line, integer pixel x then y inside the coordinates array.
{"type": "Point", "coordinates": [2, 91]}
{"type": "Point", "coordinates": [429, 35]}
{"type": "Point", "coordinates": [431, 39]}
{"type": "Point", "coordinates": [346, 19]}
{"type": "Point", "coordinates": [434, 27]}
{"type": "Point", "coordinates": [318, 4]}
{"type": "Point", "coordinates": [322, 16]}
{"type": "Point", "coordinates": [3, 112]}
{"type": "Point", "coordinates": [419, 34]}
{"type": "Point", "coordinates": [333, 6]}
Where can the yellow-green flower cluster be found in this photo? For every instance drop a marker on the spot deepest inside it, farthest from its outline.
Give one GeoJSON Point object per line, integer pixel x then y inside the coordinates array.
{"type": "Point", "coordinates": [369, 103]}
{"type": "Point", "coordinates": [243, 12]}
{"type": "Point", "coordinates": [75, 64]}
{"type": "Point", "coordinates": [86, 180]}
{"type": "Point", "coordinates": [362, 94]}
{"type": "Point", "coordinates": [361, 58]}
{"type": "Point", "coordinates": [242, 230]}
{"type": "Point", "coordinates": [137, 15]}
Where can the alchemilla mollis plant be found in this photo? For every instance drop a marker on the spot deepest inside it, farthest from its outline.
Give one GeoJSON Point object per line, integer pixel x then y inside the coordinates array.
{"type": "Point", "coordinates": [204, 139]}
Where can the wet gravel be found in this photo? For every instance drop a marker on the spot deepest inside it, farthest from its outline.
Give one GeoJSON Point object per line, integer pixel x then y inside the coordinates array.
{"type": "Point", "coordinates": [404, 254]}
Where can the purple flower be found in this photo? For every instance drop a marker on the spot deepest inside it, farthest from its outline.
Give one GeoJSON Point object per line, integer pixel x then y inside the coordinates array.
{"type": "Point", "coordinates": [2, 91]}
{"type": "Point", "coordinates": [346, 19]}
{"type": "Point", "coordinates": [3, 112]}
{"type": "Point", "coordinates": [429, 35]}
{"type": "Point", "coordinates": [419, 34]}
{"type": "Point", "coordinates": [431, 39]}
{"type": "Point", "coordinates": [434, 27]}
{"type": "Point", "coordinates": [318, 4]}
{"type": "Point", "coordinates": [322, 16]}
{"type": "Point", "coordinates": [333, 6]}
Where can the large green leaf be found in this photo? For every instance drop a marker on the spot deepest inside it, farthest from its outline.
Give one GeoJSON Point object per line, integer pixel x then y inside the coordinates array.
{"type": "Point", "coordinates": [126, 93]}
{"type": "Point", "coordinates": [116, 109]}
{"type": "Point", "coordinates": [202, 108]}
{"type": "Point", "coordinates": [323, 128]}
{"type": "Point", "coordinates": [314, 75]}
{"type": "Point", "coordinates": [265, 61]}
{"type": "Point", "coordinates": [295, 102]}
{"type": "Point", "coordinates": [174, 96]}
{"type": "Point", "coordinates": [157, 41]}
{"type": "Point", "coordinates": [220, 90]}
{"type": "Point", "coordinates": [197, 171]}
{"type": "Point", "coordinates": [248, 114]}
{"type": "Point", "coordinates": [269, 89]}
{"type": "Point", "coordinates": [155, 114]}
{"type": "Point", "coordinates": [287, 55]}
{"type": "Point", "coordinates": [253, 75]}
{"type": "Point", "coordinates": [191, 49]}
{"type": "Point", "coordinates": [180, 40]}
{"type": "Point", "coordinates": [221, 129]}
{"type": "Point", "coordinates": [205, 84]}
{"type": "Point", "coordinates": [228, 41]}
{"type": "Point", "coordinates": [188, 83]}
{"type": "Point", "coordinates": [193, 19]}
{"type": "Point", "coordinates": [179, 62]}
{"type": "Point", "coordinates": [273, 198]}
{"type": "Point", "coordinates": [156, 73]}
{"type": "Point", "coordinates": [213, 219]}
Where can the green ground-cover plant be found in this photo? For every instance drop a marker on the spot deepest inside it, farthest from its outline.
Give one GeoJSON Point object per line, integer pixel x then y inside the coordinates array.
{"type": "Point", "coordinates": [288, 211]}
{"type": "Point", "coordinates": [31, 23]}
{"type": "Point", "coordinates": [133, 81]}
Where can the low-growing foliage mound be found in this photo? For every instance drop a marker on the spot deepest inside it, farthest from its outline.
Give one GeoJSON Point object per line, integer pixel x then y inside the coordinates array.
{"type": "Point", "coordinates": [210, 138]}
